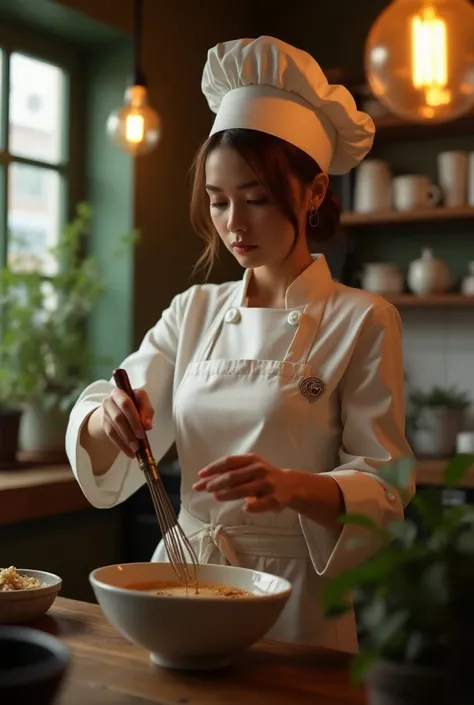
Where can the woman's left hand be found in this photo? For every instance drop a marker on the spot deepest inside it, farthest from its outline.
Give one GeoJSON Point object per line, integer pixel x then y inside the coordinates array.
{"type": "Point", "coordinates": [265, 487]}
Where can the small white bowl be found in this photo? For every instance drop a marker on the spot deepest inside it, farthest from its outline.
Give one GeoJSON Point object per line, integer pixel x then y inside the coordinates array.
{"type": "Point", "coordinates": [185, 632]}
{"type": "Point", "coordinates": [21, 606]}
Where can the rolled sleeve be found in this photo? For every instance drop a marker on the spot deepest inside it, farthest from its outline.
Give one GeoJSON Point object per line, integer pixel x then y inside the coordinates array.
{"type": "Point", "coordinates": [373, 421]}
{"type": "Point", "coordinates": [151, 367]}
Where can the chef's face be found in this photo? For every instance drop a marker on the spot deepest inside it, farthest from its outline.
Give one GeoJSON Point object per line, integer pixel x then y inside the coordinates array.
{"type": "Point", "coordinates": [248, 222]}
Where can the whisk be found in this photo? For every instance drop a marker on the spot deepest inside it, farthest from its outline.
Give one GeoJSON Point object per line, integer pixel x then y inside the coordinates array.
{"type": "Point", "coordinates": [178, 548]}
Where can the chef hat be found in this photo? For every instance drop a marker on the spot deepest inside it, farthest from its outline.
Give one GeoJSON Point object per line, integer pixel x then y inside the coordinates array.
{"type": "Point", "coordinates": [265, 84]}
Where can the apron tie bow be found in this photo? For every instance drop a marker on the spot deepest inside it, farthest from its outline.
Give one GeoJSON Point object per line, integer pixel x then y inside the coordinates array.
{"type": "Point", "coordinates": [211, 537]}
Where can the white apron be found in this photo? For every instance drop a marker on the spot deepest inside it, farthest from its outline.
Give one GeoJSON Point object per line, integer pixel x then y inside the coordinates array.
{"type": "Point", "coordinates": [236, 406]}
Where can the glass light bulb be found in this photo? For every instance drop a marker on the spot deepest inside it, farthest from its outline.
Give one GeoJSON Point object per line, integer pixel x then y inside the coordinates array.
{"type": "Point", "coordinates": [419, 59]}
{"type": "Point", "coordinates": [135, 127]}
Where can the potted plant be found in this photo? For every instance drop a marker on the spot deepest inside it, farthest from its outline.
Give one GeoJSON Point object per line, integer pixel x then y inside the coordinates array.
{"type": "Point", "coordinates": [434, 420]}
{"type": "Point", "coordinates": [414, 599]}
{"type": "Point", "coordinates": [46, 357]}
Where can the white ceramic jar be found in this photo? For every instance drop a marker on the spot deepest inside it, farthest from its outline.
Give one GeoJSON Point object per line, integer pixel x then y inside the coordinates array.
{"type": "Point", "coordinates": [382, 278]}
{"type": "Point", "coordinates": [428, 275]}
{"type": "Point", "coordinates": [373, 186]}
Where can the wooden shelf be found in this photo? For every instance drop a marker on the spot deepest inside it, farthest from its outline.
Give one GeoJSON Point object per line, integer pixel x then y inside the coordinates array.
{"type": "Point", "coordinates": [430, 472]}
{"type": "Point", "coordinates": [35, 493]}
{"type": "Point", "coordinates": [393, 217]}
{"type": "Point", "coordinates": [431, 301]}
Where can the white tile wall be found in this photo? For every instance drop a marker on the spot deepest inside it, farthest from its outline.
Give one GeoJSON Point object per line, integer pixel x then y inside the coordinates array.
{"type": "Point", "coordinates": [439, 349]}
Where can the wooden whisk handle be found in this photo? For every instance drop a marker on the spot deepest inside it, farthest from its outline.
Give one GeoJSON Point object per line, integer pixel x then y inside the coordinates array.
{"type": "Point", "coordinates": [123, 382]}
{"type": "Point", "coordinates": [144, 454]}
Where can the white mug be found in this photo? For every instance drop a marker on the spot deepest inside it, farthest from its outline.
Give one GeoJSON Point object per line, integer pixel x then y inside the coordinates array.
{"type": "Point", "coordinates": [412, 191]}
{"type": "Point", "coordinates": [465, 442]}
{"type": "Point", "coordinates": [372, 190]}
{"type": "Point", "coordinates": [452, 177]}
{"type": "Point", "coordinates": [470, 195]}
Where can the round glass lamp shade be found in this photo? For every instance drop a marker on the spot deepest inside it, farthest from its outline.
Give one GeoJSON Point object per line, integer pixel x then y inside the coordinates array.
{"type": "Point", "coordinates": [419, 59]}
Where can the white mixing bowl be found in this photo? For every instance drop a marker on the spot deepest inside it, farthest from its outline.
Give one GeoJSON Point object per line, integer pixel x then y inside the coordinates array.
{"type": "Point", "coordinates": [186, 632]}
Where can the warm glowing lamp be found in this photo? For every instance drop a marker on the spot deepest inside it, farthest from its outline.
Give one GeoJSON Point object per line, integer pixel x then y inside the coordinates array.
{"type": "Point", "coordinates": [419, 59]}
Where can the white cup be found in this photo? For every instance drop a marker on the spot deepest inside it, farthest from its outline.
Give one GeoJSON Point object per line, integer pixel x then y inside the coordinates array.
{"type": "Point", "coordinates": [372, 190]}
{"type": "Point", "coordinates": [465, 442]}
{"type": "Point", "coordinates": [470, 192]}
{"type": "Point", "coordinates": [412, 191]}
{"type": "Point", "coordinates": [452, 177]}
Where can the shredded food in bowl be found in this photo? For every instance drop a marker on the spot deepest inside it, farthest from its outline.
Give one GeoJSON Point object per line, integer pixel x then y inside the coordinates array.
{"type": "Point", "coordinates": [11, 579]}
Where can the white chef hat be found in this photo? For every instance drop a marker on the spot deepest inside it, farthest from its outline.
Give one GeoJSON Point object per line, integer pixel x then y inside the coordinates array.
{"type": "Point", "coordinates": [265, 84]}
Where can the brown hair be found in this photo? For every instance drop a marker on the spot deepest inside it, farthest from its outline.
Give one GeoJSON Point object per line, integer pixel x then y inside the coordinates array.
{"type": "Point", "coordinates": [273, 160]}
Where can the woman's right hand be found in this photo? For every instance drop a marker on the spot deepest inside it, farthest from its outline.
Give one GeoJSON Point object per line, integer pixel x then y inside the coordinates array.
{"type": "Point", "coordinates": [122, 423]}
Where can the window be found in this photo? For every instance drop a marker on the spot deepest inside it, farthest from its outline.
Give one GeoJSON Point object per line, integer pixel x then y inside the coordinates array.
{"type": "Point", "coordinates": [34, 158]}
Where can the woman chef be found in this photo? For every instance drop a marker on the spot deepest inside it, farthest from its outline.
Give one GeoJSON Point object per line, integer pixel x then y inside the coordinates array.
{"type": "Point", "coordinates": [283, 391]}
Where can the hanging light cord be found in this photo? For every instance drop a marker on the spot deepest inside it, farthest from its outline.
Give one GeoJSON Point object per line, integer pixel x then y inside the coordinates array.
{"type": "Point", "coordinates": [138, 75]}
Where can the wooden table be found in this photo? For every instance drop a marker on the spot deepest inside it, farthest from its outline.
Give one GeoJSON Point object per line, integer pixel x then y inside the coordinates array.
{"type": "Point", "coordinates": [107, 670]}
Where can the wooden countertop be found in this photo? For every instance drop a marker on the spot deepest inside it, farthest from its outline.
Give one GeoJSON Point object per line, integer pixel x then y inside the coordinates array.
{"type": "Point", "coordinates": [33, 493]}
{"type": "Point", "coordinates": [108, 670]}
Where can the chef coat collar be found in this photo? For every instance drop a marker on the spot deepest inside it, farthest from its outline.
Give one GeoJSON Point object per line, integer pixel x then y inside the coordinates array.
{"type": "Point", "coordinates": [313, 283]}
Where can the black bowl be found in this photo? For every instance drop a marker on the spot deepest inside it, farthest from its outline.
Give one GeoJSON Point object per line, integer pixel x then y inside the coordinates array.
{"type": "Point", "coordinates": [32, 665]}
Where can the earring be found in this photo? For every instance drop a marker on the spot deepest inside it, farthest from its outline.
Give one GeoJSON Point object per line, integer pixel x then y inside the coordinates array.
{"type": "Point", "coordinates": [313, 218]}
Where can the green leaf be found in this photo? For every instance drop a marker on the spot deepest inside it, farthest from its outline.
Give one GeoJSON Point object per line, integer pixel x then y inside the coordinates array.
{"type": "Point", "coordinates": [465, 543]}
{"type": "Point", "coordinates": [373, 571]}
{"type": "Point", "coordinates": [365, 522]}
{"type": "Point", "coordinates": [373, 615]}
{"type": "Point", "coordinates": [457, 468]}
{"type": "Point", "coordinates": [428, 503]}
{"type": "Point", "coordinates": [45, 351]}
{"type": "Point", "coordinates": [404, 530]}
{"type": "Point", "coordinates": [354, 543]}
{"type": "Point", "coordinates": [359, 520]}
{"type": "Point", "coordinates": [399, 473]}
{"type": "Point", "coordinates": [390, 627]}
{"type": "Point", "coordinates": [434, 584]}
{"type": "Point", "coordinates": [414, 646]}
{"type": "Point", "coordinates": [361, 665]}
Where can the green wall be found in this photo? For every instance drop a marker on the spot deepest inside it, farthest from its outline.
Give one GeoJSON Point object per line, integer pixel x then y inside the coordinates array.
{"type": "Point", "coordinates": [109, 187]}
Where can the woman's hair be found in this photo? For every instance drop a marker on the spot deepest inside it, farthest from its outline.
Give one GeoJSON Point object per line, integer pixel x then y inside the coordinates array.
{"type": "Point", "coordinates": [273, 161]}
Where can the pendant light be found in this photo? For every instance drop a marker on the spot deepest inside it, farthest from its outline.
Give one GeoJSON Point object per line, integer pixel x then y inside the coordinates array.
{"type": "Point", "coordinates": [136, 126]}
{"type": "Point", "coordinates": [419, 59]}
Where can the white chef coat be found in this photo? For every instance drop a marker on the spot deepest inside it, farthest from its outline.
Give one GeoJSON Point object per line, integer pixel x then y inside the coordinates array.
{"type": "Point", "coordinates": [225, 379]}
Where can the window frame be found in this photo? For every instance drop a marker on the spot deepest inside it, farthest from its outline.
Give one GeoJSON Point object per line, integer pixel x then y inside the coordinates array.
{"type": "Point", "coordinates": [49, 48]}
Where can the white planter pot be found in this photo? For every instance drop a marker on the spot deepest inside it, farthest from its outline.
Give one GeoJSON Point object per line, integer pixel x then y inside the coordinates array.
{"type": "Point", "coordinates": [42, 432]}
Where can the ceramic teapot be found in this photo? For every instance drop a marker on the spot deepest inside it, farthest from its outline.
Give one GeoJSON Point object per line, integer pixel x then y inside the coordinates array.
{"type": "Point", "coordinates": [428, 275]}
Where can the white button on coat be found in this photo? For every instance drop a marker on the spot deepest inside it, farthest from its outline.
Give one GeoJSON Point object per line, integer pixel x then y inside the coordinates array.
{"type": "Point", "coordinates": [232, 316]}
{"type": "Point", "coordinates": [294, 317]}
